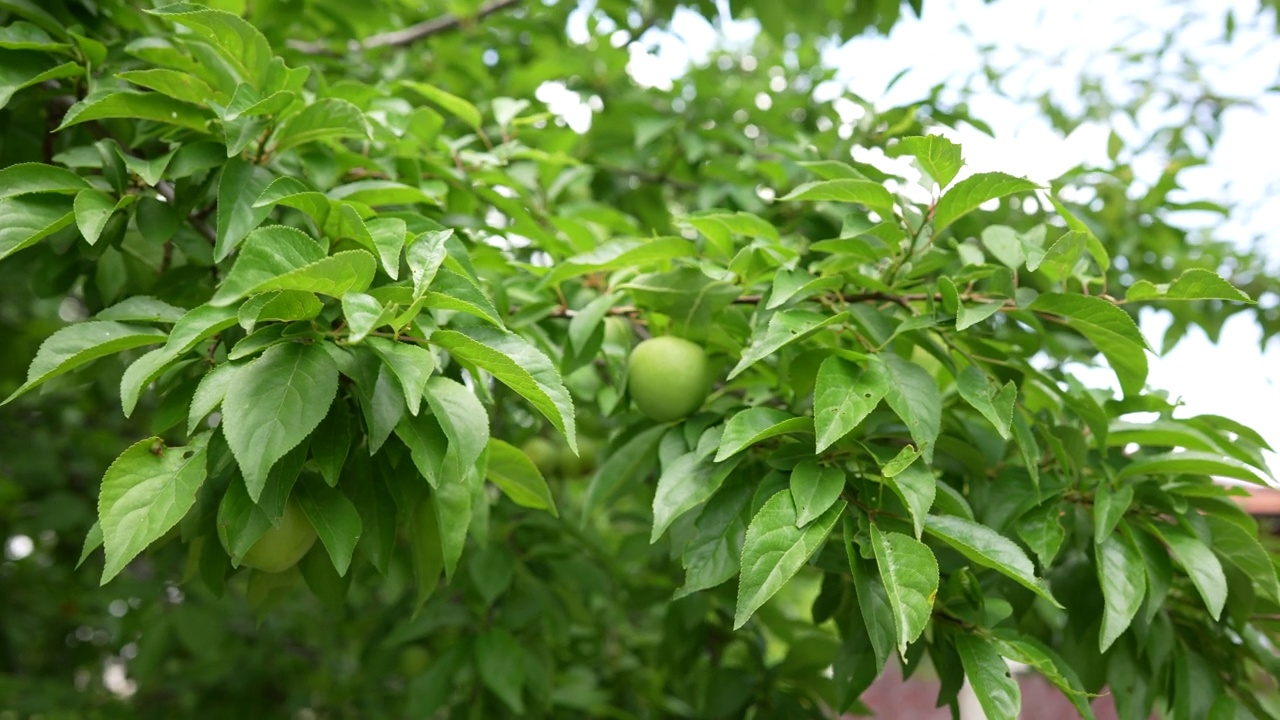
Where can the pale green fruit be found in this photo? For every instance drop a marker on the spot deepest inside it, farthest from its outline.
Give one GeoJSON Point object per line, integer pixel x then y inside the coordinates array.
{"type": "Point", "coordinates": [280, 548]}
{"type": "Point", "coordinates": [543, 453]}
{"type": "Point", "coordinates": [669, 377]}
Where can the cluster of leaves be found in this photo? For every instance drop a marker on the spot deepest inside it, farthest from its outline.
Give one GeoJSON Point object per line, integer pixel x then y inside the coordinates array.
{"type": "Point", "coordinates": [364, 287]}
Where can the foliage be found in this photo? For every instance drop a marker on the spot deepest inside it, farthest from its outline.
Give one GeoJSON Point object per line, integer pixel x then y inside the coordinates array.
{"type": "Point", "coordinates": [327, 267]}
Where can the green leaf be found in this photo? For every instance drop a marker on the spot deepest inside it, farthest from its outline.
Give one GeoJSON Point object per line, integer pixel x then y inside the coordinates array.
{"type": "Point", "coordinates": [621, 466]}
{"type": "Point", "coordinates": [917, 488]}
{"type": "Point", "coordinates": [363, 314]}
{"type": "Point", "coordinates": [76, 345]}
{"type": "Point", "coordinates": [1241, 548]}
{"type": "Point", "coordinates": [463, 419]}
{"type": "Point", "coordinates": [454, 105]}
{"type": "Point", "coordinates": [25, 36]}
{"type": "Point", "coordinates": [755, 425]}
{"type": "Point", "coordinates": [142, 308]}
{"type": "Point", "coordinates": [969, 315]}
{"type": "Point", "coordinates": [93, 541]}
{"type": "Point", "coordinates": [910, 575]}
{"type": "Point", "coordinates": [937, 155]}
{"type": "Point", "coordinates": [1108, 507]}
{"type": "Point", "coordinates": [518, 478]}
{"type": "Point", "coordinates": [134, 105]}
{"type": "Point", "coordinates": [713, 555]}
{"type": "Point", "coordinates": [27, 178]}
{"type": "Point", "coordinates": [615, 254]}
{"type": "Point", "coordinates": [1124, 582]}
{"type": "Point", "coordinates": [428, 446]}
{"type": "Point", "coordinates": [424, 256]}
{"type": "Point", "coordinates": [873, 600]}
{"type": "Point", "coordinates": [775, 549]}
{"type": "Point", "coordinates": [380, 193]}
{"type": "Point", "coordinates": [785, 327]}
{"type": "Point", "coordinates": [291, 192]}
{"type": "Point", "coordinates": [1194, 463]}
{"type": "Point", "coordinates": [275, 403]}
{"type": "Point", "coordinates": [863, 192]}
{"type": "Point", "coordinates": [687, 295]}
{"type": "Point", "coordinates": [1041, 529]}
{"type": "Point", "coordinates": [239, 187]}
{"type": "Point", "coordinates": [520, 366]}
{"type": "Point", "coordinates": [210, 393]}
{"type": "Point", "coordinates": [93, 208]}
{"type": "Point", "coordinates": [1044, 660]}
{"type": "Point", "coordinates": [176, 84]}
{"type": "Point", "coordinates": [234, 38]}
{"type": "Point", "coordinates": [844, 395]}
{"type": "Point", "coordinates": [1193, 284]}
{"type": "Point", "coordinates": [965, 196]}
{"type": "Point", "coordinates": [500, 664]}
{"type": "Point", "coordinates": [22, 69]}
{"type": "Point", "coordinates": [988, 548]}
{"type": "Point", "coordinates": [282, 258]}
{"type": "Point", "coordinates": [451, 501]}
{"type": "Point", "coordinates": [995, 405]}
{"type": "Point", "coordinates": [1109, 328]}
{"type": "Point", "coordinates": [326, 119]}
{"type": "Point", "coordinates": [389, 235]}
{"type": "Point", "coordinates": [989, 676]}
{"type": "Point", "coordinates": [452, 291]}
{"type": "Point", "coordinates": [145, 492]}
{"type": "Point", "coordinates": [334, 517]}
{"type": "Point", "coordinates": [1200, 564]}
{"type": "Point", "coordinates": [411, 364]}
{"type": "Point", "coordinates": [814, 488]}
{"type": "Point", "coordinates": [28, 220]}
{"type": "Point", "coordinates": [688, 481]}
{"type": "Point", "coordinates": [914, 396]}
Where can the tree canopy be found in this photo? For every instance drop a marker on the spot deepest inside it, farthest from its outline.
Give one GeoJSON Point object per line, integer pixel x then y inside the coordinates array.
{"type": "Point", "coordinates": [318, 333]}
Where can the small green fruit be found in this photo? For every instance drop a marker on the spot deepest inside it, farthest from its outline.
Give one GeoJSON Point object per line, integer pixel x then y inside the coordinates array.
{"type": "Point", "coordinates": [669, 377]}
{"type": "Point", "coordinates": [414, 660]}
{"type": "Point", "coordinates": [582, 463]}
{"type": "Point", "coordinates": [543, 453]}
{"type": "Point", "coordinates": [280, 548]}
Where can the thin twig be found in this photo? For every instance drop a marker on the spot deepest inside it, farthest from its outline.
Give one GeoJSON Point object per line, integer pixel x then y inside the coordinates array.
{"type": "Point", "coordinates": [165, 188]}
{"type": "Point", "coordinates": [405, 36]}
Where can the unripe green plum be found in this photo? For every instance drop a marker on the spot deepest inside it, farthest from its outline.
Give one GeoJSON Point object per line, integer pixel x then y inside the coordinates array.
{"type": "Point", "coordinates": [582, 463]}
{"type": "Point", "coordinates": [280, 548]}
{"type": "Point", "coordinates": [669, 377]}
{"type": "Point", "coordinates": [414, 660]}
{"type": "Point", "coordinates": [543, 453]}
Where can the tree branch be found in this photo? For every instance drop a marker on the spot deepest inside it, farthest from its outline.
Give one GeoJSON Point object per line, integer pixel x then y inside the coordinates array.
{"type": "Point", "coordinates": [405, 36]}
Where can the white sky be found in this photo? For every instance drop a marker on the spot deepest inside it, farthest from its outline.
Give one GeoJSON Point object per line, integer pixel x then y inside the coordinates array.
{"type": "Point", "coordinates": [1234, 378]}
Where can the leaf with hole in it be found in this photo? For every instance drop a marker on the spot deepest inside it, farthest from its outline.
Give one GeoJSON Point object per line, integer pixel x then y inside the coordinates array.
{"type": "Point", "coordinates": [968, 194]}
{"type": "Point", "coordinates": [910, 574]}
{"type": "Point", "coordinates": [844, 395]}
{"type": "Point", "coordinates": [145, 492]}
{"type": "Point", "coordinates": [517, 477]}
{"type": "Point", "coordinates": [775, 549]}
{"type": "Point", "coordinates": [757, 424]}
{"type": "Point", "coordinates": [990, 549]}
{"type": "Point", "coordinates": [784, 328]}
{"type": "Point", "coordinates": [278, 399]}
{"type": "Point", "coordinates": [81, 343]}
{"type": "Point", "coordinates": [520, 366]}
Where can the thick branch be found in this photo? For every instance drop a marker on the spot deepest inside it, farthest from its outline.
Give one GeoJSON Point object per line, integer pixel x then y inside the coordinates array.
{"type": "Point", "coordinates": [405, 36]}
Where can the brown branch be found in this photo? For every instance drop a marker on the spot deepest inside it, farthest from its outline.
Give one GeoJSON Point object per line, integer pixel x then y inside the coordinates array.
{"type": "Point", "coordinates": [405, 36]}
